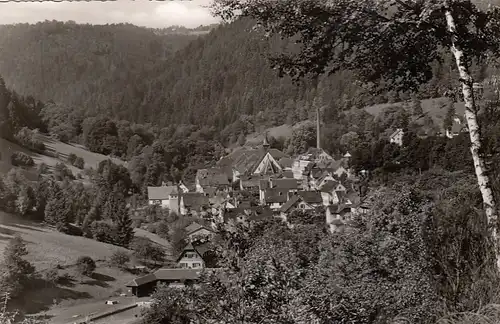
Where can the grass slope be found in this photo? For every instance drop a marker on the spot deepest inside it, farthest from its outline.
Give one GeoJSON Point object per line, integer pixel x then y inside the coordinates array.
{"type": "Point", "coordinates": [79, 294]}
{"type": "Point", "coordinates": [56, 152]}
{"type": "Point", "coordinates": [436, 108]}
{"type": "Point", "coordinates": [284, 131]}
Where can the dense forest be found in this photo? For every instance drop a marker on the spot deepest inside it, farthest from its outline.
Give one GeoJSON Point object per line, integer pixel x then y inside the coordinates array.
{"type": "Point", "coordinates": [170, 78]}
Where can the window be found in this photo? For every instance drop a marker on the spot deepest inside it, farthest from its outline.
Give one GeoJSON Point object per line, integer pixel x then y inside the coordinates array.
{"type": "Point", "coordinates": [281, 194]}
{"type": "Point", "coordinates": [196, 265]}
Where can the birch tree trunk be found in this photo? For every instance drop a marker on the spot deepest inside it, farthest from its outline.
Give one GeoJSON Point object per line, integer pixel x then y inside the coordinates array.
{"type": "Point", "coordinates": [483, 179]}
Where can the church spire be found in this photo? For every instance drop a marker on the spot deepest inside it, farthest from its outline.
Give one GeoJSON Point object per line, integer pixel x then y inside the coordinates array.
{"type": "Point", "coordinates": [265, 143]}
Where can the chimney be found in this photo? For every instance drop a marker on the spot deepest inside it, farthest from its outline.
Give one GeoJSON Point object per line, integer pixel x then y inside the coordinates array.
{"type": "Point", "coordinates": [318, 138]}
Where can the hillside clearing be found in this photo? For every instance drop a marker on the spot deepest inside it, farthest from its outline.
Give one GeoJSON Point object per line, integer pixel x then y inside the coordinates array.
{"type": "Point", "coordinates": [436, 108]}
{"type": "Point", "coordinates": [284, 131]}
{"type": "Point", "coordinates": [57, 152]}
{"type": "Point", "coordinates": [48, 247]}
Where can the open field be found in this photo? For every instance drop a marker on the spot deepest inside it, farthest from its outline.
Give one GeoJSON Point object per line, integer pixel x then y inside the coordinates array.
{"type": "Point", "coordinates": [54, 148]}
{"type": "Point", "coordinates": [284, 131]}
{"type": "Point", "coordinates": [63, 150]}
{"type": "Point", "coordinates": [48, 247]}
{"type": "Point", "coordinates": [77, 294]}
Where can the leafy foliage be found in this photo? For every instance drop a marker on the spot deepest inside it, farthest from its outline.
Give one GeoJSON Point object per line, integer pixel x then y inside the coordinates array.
{"type": "Point", "coordinates": [21, 159]}
{"type": "Point", "coordinates": [86, 265]}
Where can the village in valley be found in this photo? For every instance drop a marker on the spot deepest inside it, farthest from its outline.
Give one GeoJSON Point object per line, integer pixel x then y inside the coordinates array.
{"type": "Point", "coordinates": [255, 183]}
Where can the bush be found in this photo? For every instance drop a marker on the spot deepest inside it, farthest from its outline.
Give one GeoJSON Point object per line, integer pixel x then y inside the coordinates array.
{"type": "Point", "coordinates": [79, 163]}
{"type": "Point", "coordinates": [120, 259]}
{"type": "Point", "coordinates": [102, 231]}
{"type": "Point", "coordinates": [51, 275]}
{"type": "Point", "coordinates": [72, 158]}
{"type": "Point", "coordinates": [21, 159]}
{"type": "Point", "coordinates": [86, 265]}
{"type": "Point", "coordinates": [69, 229]}
{"type": "Point", "coordinates": [137, 223]}
{"type": "Point", "coordinates": [43, 168]}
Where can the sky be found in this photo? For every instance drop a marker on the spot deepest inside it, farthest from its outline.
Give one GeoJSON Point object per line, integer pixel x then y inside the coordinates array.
{"type": "Point", "coordinates": [156, 14]}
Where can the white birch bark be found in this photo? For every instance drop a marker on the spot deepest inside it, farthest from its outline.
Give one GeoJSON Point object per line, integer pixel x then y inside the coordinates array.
{"type": "Point", "coordinates": [474, 133]}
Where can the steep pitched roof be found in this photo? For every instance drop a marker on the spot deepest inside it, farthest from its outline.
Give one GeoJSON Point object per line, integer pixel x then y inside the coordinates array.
{"type": "Point", "coordinates": [161, 193]}
{"type": "Point", "coordinates": [245, 159]}
{"type": "Point", "coordinates": [396, 132]}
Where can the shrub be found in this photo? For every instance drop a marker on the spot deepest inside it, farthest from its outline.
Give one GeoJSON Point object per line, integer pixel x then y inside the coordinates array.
{"type": "Point", "coordinates": [72, 158]}
{"type": "Point", "coordinates": [79, 163]}
{"type": "Point", "coordinates": [137, 223]}
{"type": "Point", "coordinates": [21, 159]}
{"type": "Point", "coordinates": [86, 265]}
{"type": "Point", "coordinates": [27, 138]}
{"type": "Point", "coordinates": [69, 229]}
{"type": "Point", "coordinates": [61, 172]}
{"type": "Point", "coordinates": [102, 231]}
{"type": "Point", "coordinates": [51, 275]}
{"type": "Point", "coordinates": [43, 168]}
{"type": "Point", "coordinates": [120, 259]}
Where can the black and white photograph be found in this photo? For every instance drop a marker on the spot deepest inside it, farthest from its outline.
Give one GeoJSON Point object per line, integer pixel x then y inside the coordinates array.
{"type": "Point", "coordinates": [250, 162]}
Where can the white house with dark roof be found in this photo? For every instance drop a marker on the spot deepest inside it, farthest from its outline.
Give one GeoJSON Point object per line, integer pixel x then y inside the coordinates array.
{"type": "Point", "coordinates": [164, 196]}
{"type": "Point", "coordinates": [397, 137]}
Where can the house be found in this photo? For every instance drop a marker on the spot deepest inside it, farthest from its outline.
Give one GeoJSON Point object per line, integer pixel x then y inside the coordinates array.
{"type": "Point", "coordinates": [397, 137]}
{"type": "Point", "coordinates": [275, 197]}
{"type": "Point", "coordinates": [285, 185]}
{"type": "Point", "coordinates": [194, 230]}
{"type": "Point", "coordinates": [456, 128]}
{"type": "Point", "coordinates": [193, 202]}
{"type": "Point", "coordinates": [145, 285]}
{"type": "Point", "coordinates": [295, 202]}
{"type": "Point", "coordinates": [338, 218]}
{"type": "Point", "coordinates": [164, 196]}
{"type": "Point", "coordinates": [246, 214]}
{"type": "Point", "coordinates": [192, 257]}
{"type": "Point", "coordinates": [213, 178]}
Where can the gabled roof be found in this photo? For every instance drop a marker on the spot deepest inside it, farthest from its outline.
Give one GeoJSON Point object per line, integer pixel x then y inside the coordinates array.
{"type": "Point", "coordinates": [198, 249]}
{"type": "Point", "coordinates": [290, 203]}
{"type": "Point", "coordinates": [161, 193]}
{"type": "Point", "coordinates": [195, 227]}
{"type": "Point", "coordinates": [329, 186]}
{"type": "Point", "coordinates": [252, 181]}
{"type": "Point", "coordinates": [396, 132]}
{"type": "Point", "coordinates": [284, 183]}
{"type": "Point", "coordinates": [275, 195]}
{"type": "Point", "coordinates": [195, 200]}
{"type": "Point", "coordinates": [245, 159]}
{"type": "Point", "coordinates": [166, 274]}
{"type": "Point", "coordinates": [311, 197]}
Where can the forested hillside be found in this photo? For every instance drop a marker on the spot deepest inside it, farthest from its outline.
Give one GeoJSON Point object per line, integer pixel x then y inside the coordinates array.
{"type": "Point", "coordinates": [172, 77]}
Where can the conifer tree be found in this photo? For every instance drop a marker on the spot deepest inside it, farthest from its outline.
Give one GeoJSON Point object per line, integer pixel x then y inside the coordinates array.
{"type": "Point", "coordinates": [15, 271]}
